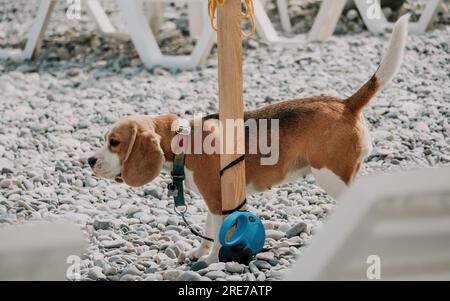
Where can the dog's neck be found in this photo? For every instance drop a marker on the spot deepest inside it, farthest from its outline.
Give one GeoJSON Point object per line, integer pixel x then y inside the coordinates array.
{"type": "Point", "coordinates": [163, 127]}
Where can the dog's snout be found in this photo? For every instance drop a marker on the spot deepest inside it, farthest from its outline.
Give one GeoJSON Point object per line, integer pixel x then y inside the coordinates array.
{"type": "Point", "coordinates": [92, 161]}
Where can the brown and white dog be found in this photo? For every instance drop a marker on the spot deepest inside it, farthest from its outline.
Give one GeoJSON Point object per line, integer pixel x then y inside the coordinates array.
{"type": "Point", "coordinates": [325, 136]}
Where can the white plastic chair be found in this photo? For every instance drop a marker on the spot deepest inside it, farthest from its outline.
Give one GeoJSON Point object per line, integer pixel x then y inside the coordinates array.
{"type": "Point", "coordinates": [139, 32]}
{"type": "Point", "coordinates": [148, 48]}
{"type": "Point", "coordinates": [40, 251]}
{"type": "Point", "coordinates": [388, 227]}
{"type": "Point", "coordinates": [195, 11]}
{"type": "Point", "coordinates": [323, 27]}
{"type": "Point", "coordinates": [380, 25]}
{"type": "Point", "coordinates": [35, 35]}
{"type": "Point", "coordinates": [330, 11]}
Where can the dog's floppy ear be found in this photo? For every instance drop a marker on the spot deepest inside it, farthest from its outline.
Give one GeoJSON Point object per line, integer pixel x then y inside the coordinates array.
{"type": "Point", "coordinates": [144, 159]}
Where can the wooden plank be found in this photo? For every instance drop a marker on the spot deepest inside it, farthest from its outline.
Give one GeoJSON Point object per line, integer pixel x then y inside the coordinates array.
{"type": "Point", "coordinates": [231, 106]}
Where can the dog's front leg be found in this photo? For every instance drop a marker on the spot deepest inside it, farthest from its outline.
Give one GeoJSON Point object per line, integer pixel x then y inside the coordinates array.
{"type": "Point", "coordinates": [205, 245]}
{"type": "Point", "coordinates": [217, 221]}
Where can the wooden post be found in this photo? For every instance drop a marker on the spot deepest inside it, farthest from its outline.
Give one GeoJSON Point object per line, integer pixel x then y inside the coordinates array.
{"type": "Point", "coordinates": [231, 106]}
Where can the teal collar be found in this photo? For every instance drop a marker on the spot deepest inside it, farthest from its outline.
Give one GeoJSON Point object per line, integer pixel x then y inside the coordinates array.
{"type": "Point", "coordinates": [182, 131]}
{"type": "Point", "coordinates": [176, 187]}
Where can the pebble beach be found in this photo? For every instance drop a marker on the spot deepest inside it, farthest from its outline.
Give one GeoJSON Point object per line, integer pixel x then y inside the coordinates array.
{"type": "Point", "coordinates": [55, 109]}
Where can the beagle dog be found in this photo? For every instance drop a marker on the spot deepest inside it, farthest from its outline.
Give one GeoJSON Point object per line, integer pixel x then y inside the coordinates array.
{"type": "Point", "coordinates": [325, 136]}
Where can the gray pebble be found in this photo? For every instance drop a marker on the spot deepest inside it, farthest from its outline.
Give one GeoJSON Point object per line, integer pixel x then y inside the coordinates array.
{"type": "Point", "coordinates": [233, 278]}
{"type": "Point", "coordinates": [267, 256]}
{"type": "Point", "coordinates": [170, 253]}
{"type": "Point", "coordinates": [128, 277]}
{"type": "Point", "coordinates": [95, 273]}
{"type": "Point", "coordinates": [296, 229]}
{"type": "Point", "coordinates": [189, 276]}
{"type": "Point", "coordinates": [102, 224]}
{"type": "Point", "coordinates": [213, 275]}
{"type": "Point", "coordinates": [218, 266]}
{"type": "Point", "coordinates": [199, 265]}
{"type": "Point", "coordinates": [153, 277]}
{"type": "Point", "coordinates": [171, 275]}
{"type": "Point", "coordinates": [275, 234]}
{"type": "Point", "coordinates": [234, 267]}
{"type": "Point", "coordinates": [262, 265]}
{"type": "Point", "coordinates": [5, 183]}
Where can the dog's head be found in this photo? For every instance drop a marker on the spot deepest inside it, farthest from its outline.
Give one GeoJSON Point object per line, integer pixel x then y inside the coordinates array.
{"type": "Point", "coordinates": [131, 153]}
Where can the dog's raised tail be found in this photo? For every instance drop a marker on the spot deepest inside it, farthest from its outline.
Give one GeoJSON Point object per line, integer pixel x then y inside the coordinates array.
{"type": "Point", "coordinates": [388, 68]}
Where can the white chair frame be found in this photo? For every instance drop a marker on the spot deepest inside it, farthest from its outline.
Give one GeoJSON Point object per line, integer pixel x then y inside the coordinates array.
{"type": "Point", "coordinates": [144, 40]}
{"type": "Point", "coordinates": [330, 11]}
{"type": "Point", "coordinates": [148, 48]}
{"type": "Point", "coordinates": [380, 25]}
{"type": "Point", "coordinates": [140, 34]}
{"type": "Point", "coordinates": [106, 28]}
{"type": "Point", "coordinates": [323, 27]}
{"type": "Point", "coordinates": [35, 35]}
{"type": "Point", "coordinates": [403, 219]}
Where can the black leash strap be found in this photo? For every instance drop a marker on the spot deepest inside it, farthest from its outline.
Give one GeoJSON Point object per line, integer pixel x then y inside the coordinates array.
{"type": "Point", "coordinates": [233, 163]}
{"type": "Point", "coordinates": [228, 212]}
{"type": "Point", "coordinates": [179, 197]}
{"type": "Point", "coordinates": [194, 231]}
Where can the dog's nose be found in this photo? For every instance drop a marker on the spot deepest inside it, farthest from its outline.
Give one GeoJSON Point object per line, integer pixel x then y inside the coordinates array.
{"type": "Point", "coordinates": [92, 161]}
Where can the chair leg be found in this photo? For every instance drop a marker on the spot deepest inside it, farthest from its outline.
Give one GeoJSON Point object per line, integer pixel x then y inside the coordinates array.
{"type": "Point", "coordinates": [102, 21]}
{"type": "Point", "coordinates": [284, 15]}
{"type": "Point", "coordinates": [141, 35]}
{"type": "Point", "coordinates": [263, 25]}
{"type": "Point", "coordinates": [35, 35]}
{"type": "Point", "coordinates": [196, 10]}
{"type": "Point", "coordinates": [155, 12]}
{"type": "Point", "coordinates": [372, 15]}
{"type": "Point", "coordinates": [326, 20]}
{"type": "Point", "coordinates": [428, 16]}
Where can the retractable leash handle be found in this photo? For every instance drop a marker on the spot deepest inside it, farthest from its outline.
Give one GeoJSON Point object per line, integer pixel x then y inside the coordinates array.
{"type": "Point", "coordinates": [249, 231]}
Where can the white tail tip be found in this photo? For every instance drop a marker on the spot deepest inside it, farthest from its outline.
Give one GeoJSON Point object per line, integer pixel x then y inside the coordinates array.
{"type": "Point", "coordinates": [393, 58]}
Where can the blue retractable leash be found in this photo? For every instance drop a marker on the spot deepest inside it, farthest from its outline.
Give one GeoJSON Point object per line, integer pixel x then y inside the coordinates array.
{"type": "Point", "coordinates": [248, 237]}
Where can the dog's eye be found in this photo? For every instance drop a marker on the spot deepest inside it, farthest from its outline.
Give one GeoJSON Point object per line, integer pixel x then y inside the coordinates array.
{"type": "Point", "coordinates": [114, 142]}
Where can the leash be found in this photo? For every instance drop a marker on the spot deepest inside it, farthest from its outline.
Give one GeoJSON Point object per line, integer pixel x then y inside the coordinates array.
{"type": "Point", "coordinates": [176, 188]}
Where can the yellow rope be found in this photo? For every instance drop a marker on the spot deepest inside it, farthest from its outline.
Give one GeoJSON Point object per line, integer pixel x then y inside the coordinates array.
{"type": "Point", "coordinates": [247, 14]}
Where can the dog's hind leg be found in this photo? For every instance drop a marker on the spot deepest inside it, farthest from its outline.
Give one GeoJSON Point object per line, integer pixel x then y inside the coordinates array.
{"type": "Point", "coordinates": [329, 181]}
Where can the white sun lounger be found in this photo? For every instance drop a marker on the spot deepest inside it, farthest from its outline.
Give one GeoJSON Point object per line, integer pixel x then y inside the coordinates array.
{"type": "Point", "coordinates": [144, 40]}
{"type": "Point", "coordinates": [148, 48]}
{"type": "Point", "coordinates": [195, 10]}
{"type": "Point", "coordinates": [139, 31]}
{"type": "Point", "coordinates": [328, 16]}
{"type": "Point", "coordinates": [324, 23]}
{"type": "Point", "coordinates": [40, 251]}
{"type": "Point", "coordinates": [380, 25]}
{"type": "Point", "coordinates": [388, 227]}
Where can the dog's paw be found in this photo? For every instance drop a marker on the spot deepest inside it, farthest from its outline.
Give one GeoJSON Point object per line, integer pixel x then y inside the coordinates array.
{"type": "Point", "coordinates": [197, 253]}
{"type": "Point", "coordinates": [211, 258]}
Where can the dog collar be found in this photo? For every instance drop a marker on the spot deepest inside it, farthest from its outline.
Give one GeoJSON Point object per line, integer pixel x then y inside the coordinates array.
{"type": "Point", "coordinates": [176, 188]}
